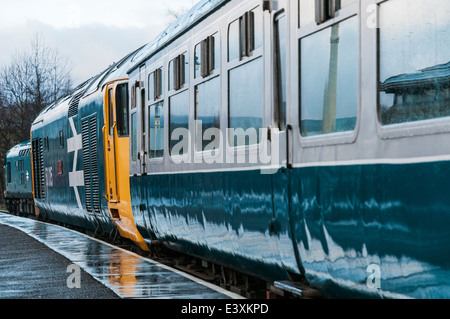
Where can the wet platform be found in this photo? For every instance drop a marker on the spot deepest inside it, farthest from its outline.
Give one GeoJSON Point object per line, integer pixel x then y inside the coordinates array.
{"type": "Point", "coordinates": [35, 266]}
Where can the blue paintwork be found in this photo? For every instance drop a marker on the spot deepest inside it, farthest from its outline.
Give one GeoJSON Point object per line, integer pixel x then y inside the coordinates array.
{"type": "Point", "coordinates": [341, 219]}
{"type": "Point", "coordinates": [224, 217]}
{"type": "Point", "coordinates": [60, 203]}
{"type": "Point", "coordinates": [395, 216]}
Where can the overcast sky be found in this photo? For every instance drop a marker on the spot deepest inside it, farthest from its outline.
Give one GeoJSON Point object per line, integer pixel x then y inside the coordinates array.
{"type": "Point", "coordinates": [91, 33]}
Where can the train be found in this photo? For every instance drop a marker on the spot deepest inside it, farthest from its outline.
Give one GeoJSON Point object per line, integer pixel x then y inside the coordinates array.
{"type": "Point", "coordinates": [293, 141]}
{"type": "Point", "coordinates": [18, 192]}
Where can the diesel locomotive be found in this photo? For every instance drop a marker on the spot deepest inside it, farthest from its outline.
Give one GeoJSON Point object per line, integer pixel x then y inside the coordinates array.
{"type": "Point", "coordinates": [18, 180]}
{"type": "Point", "coordinates": [291, 140]}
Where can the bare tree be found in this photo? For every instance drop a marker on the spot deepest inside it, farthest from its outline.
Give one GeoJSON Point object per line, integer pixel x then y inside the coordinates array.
{"type": "Point", "coordinates": [175, 14]}
{"type": "Point", "coordinates": [29, 83]}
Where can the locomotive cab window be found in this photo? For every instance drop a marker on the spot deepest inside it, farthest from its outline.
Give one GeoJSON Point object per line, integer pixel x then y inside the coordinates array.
{"type": "Point", "coordinates": [329, 76]}
{"type": "Point", "coordinates": [110, 112]}
{"type": "Point", "coordinates": [122, 109]}
{"type": "Point", "coordinates": [414, 61]}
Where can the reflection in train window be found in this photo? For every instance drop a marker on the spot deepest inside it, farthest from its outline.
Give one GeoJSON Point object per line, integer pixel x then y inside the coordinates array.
{"type": "Point", "coordinates": [156, 123]}
{"type": "Point", "coordinates": [246, 103]}
{"type": "Point", "coordinates": [414, 61]}
{"type": "Point", "coordinates": [207, 110]}
{"type": "Point", "coordinates": [329, 79]}
{"type": "Point", "coordinates": [179, 123]}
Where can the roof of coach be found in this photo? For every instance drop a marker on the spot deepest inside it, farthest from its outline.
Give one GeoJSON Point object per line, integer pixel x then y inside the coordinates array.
{"type": "Point", "coordinates": [194, 16]}
{"type": "Point", "coordinates": [19, 150]}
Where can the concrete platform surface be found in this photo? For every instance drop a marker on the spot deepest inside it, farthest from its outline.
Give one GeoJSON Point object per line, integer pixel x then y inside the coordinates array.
{"type": "Point", "coordinates": [40, 260]}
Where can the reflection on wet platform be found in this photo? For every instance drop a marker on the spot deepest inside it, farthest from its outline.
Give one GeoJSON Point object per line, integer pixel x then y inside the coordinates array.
{"type": "Point", "coordinates": [127, 274]}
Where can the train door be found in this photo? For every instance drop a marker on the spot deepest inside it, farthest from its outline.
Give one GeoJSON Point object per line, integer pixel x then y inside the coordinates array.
{"type": "Point", "coordinates": [142, 116]}
{"type": "Point", "coordinates": [277, 28]}
{"type": "Point", "coordinates": [117, 161]}
{"type": "Point", "coordinates": [116, 140]}
{"type": "Point", "coordinates": [111, 145]}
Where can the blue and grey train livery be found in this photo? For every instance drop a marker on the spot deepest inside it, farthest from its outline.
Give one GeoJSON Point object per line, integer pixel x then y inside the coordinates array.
{"type": "Point", "coordinates": [18, 180]}
{"type": "Point", "coordinates": [292, 141]}
{"type": "Point", "coordinates": [344, 182]}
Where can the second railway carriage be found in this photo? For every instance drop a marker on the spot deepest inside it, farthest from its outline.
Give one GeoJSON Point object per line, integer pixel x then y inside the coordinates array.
{"type": "Point", "coordinates": [292, 139]}
{"type": "Point", "coordinates": [18, 180]}
{"type": "Point", "coordinates": [79, 150]}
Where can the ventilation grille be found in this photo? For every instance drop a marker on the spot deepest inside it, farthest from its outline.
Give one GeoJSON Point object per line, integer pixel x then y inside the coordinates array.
{"type": "Point", "coordinates": [89, 137]}
{"type": "Point", "coordinates": [73, 108]}
{"type": "Point", "coordinates": [38, 168]}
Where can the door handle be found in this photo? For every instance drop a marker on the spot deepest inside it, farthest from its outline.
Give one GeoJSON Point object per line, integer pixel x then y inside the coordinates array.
{"type": "Point", "coordinates": [289, 130]}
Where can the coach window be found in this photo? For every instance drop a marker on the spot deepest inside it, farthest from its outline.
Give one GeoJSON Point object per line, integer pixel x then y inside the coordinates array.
{"type": "Point", "coordinates": [308, 12]}
{"type": "Point", "coordinates": [134, 137]}
{"type": "Point", "coordinates": [329, 74]}
{"type": "Point", "coordinates": [414, 61]}
{"type": "Point", "coordinates": [207, 94]}
{"type": "Point", "coordinates": [179, 105]}
{"type": "Point", "coordinates": [245, 76]}
{"type": "Point", "coordinates": [156, 114]}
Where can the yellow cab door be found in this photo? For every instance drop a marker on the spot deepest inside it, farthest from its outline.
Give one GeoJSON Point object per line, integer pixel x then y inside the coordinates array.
{"type": "Point", "coordinates": [117, 160]}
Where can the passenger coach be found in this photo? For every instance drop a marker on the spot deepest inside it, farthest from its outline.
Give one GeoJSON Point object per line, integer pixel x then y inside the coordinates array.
{"type": "Point", "coordinates": [300, 139]}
